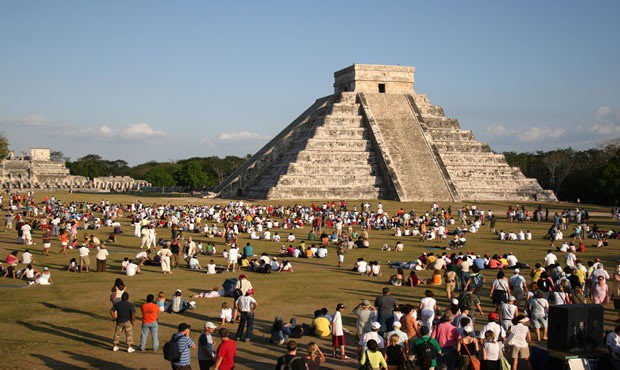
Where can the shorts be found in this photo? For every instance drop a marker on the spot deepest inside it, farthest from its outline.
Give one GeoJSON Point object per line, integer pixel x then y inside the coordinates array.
{"type": "Point", "coordinates": [338, 340]}
{"type": "Point", "coordinates": [85, 261]}
{"type": "Point", "coordinates": [341, 258]}
{"type": "Point", "coordinates": [64, 244]}
{"type": "Point", "coordinates": [47, 245]}
{"type": "Point", "coordinates": [520, 352]}
{"type": "Point", "coordinates": [539, 321]}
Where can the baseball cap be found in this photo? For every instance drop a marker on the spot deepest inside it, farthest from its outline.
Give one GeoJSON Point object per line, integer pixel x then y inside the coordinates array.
{"type": "Point", "coordinates": [45, 269]}
{"type": "Point", "coordinates": [339, 306]}
{"type": "Point", "coordinates": [250, 291]}
{"type": "Point", "coordinates": [397, 324]}
{"type": "Point", "coordinates": [183, 326]}
{"type": "Point", "coordinates": [365, 303]}
{"type": "Point", "coordinates": [454, 301]}
{"type": "Point", "coordinates": [512, 298]}
{"type": "Point", "coordinates": [376, 326]}
{"type": "Point", "coordinates": [210, 325]}
{"type": "Point", "coordinates": [178, 291]}
{"type": "Point", "coordinates": [517, 271]}
{"type": "Point", "coordinates": [493, 316]}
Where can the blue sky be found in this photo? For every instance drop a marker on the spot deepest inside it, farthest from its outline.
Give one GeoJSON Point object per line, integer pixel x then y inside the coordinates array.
{"type": "Point", "coordinates": [163, 80]}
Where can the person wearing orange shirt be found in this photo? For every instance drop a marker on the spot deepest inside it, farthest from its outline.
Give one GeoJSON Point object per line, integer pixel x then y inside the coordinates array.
{"type": "Point", "coordinates": [150, 313]}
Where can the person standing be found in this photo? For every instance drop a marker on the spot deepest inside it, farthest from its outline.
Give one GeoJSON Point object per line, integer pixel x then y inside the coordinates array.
{"type": "Point", "coordinates": [340, 252]}
{"type": "Point", "coordinates": [123, 313]}
{"type": "Point", "coordinates": [184, 344]}
{"type": "Point", "coordinates": [150, 313]}
{"type": "Point", "coordinates": [226, 352]}
{"type": "Point", "coordinates": [366, 315]}
{"type": "Point", "coordinates": [206, 355]}
{"type": "Point", "coordinates": [84, 259]}
{"type": "Point", "coordinates": [338, 332]}
{"type": "Point", "coordinates": [101, 257]}
{"type": "Point", "coordinates": [165, 253]}
{"type": "Point", "coordinates": [246, 305]}
{"type": "Point", "coordinates": [47, 241]}
{"type": "Point", "coordinates": [385, 305]}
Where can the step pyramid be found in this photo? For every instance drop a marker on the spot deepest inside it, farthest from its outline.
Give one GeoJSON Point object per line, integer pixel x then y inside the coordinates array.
{"type": "Point", "coordinates": [375, 138]}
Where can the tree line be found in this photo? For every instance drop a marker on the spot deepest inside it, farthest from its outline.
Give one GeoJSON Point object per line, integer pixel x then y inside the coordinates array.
{"type": "Point", "coordinates": [198, 173]}
{"type": "Point", "coordinates": [591, 176]}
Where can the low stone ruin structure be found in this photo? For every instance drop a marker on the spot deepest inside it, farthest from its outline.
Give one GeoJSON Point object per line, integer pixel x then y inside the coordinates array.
{"type": "Point", "coordinates": [375, 137]}
{"type": "Point", "coordinates": [37, 171]}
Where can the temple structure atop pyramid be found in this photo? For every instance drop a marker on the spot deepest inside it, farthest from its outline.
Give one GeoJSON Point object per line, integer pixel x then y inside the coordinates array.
{"type": "Point", "coordinates": [375, 137]}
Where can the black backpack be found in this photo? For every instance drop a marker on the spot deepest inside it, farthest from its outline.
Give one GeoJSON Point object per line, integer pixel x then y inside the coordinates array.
{"type": "Point", "coordinates": [171, 349]}
{"type": "Point", "coordinates": [427, 353]}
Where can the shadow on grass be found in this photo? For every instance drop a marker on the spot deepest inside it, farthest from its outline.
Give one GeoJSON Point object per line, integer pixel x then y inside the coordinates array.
{"type": "Point", "coordinates": [55, 364]}
{"type": "Point", "coordinates": [96, 363]}
{"type": "Point", "coordinates": [74, 310]}
{"type": "Point", "coordinates": [70, 333]}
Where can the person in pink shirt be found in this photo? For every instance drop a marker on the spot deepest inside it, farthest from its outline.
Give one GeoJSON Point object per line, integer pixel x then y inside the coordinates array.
{"type": "Point", "coordinates": [600, 292]}
{"type": "Point", "coordinates": [447, 335]}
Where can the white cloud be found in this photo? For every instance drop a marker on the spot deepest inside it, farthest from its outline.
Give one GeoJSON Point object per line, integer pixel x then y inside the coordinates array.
{"type": "Point", "coordinates": [241, 136]}
{"type": "Point", "coordinates": [606, 121]}
{"type": "Point", "coordinates": [33, 120]}
{"type": "Point", "coordinates": [136, 131]}
{"type": "Point", "coordinates": [541, 133]}
{"type": "Point", "coordinates": [499, 130]}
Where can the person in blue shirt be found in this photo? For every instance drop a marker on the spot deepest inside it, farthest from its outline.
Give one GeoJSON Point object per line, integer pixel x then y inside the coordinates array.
{"type": "Point", "coordinates": [185, 344]}
{"type": "Point", "coordinates": [248, 250]}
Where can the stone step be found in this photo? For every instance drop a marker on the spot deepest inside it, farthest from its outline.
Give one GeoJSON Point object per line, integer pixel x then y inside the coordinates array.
{"type": "Point", "coordinates": [332, 120]}
{"type": "Point", "coordinates": [337, 179]}
{"type": "Point", "coordinates": [441, 123]}
{"type": "Point", "coordinates": [355, 145]}
{"type": "Point", "coordinates": [469, 146]}
{"type": "Point", "coordinates": [345, 109]}
{"type": "Point", "coordinates": [329, 168]}
{"type": "Point", "coordinates": [289, 192]}
{"type": "Point", "coordinates": [340, 132]}
{"type": "Point", "coordinates": [343, 158]}
{"type": "Point", "coordinates": [348, 98]}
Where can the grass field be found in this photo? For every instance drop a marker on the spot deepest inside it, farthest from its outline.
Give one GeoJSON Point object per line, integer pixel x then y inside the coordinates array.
{"type": "Point", "coordinates": [67, 325]}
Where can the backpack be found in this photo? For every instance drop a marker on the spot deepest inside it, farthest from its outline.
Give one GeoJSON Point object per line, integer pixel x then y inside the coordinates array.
{"type": "Point", "coordinates": [427, 353]}
{"type": "Point", "coordinates": [477, 279]}
{"type": "Point", "coordinates": [289, 364]}
{"type": "Point", "coordinates": [543, 284]}
{"type": "Point", "coordinates": [297, 331]}
{"type": "Point", "coordinates": [171, 349]}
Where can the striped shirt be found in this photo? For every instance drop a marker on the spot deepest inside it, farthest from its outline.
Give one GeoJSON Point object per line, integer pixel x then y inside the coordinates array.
{"type": "Point", "coordinates": [184, 343]}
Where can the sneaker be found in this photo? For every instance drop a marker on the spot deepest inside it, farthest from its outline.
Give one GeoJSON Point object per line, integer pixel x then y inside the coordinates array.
{"type": "Point", "coordinates": [115, 348]}
{"type": "Point", "coordinates": [247, 339]}
{"type": "Point", "coordinates": [130, 349]}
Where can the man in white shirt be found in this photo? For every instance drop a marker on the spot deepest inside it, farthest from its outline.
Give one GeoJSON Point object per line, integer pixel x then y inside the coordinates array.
{"type": "Point", "coordinates": [374, 334]}
{"type": "Point", "coordinates": [246, 305]}
{"type": "Point", "coordinates": [498, 332]}
{"type": "Point", "coordinates": [84, 259]}
{"type": "Point", "coordinates": [321, 252]}
{"type": "Point", "coordinates": [132, 269]}
{"type": "Point", "coordinates": [550, 259]}
{"type": "Point", "coordinates": [26, 257]}
{"type": "Point", "coordinates": [571, 259]}
{"type": "Point", "coordinates": [291, 238]}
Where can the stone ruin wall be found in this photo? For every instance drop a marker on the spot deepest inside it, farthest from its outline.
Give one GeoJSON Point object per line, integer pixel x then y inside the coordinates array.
{"type": "Point", "coordinates": [40, 173]}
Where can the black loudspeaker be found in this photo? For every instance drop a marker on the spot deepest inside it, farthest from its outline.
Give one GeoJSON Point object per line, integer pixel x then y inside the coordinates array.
{"type": "Point", "coordinates": [595, 337]}
{"type": "Point", "coordinates": [575, 326]}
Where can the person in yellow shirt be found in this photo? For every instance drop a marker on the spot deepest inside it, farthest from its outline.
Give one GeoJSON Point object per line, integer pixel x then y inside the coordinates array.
{"type": "Point", "coordinates": [321, 325]}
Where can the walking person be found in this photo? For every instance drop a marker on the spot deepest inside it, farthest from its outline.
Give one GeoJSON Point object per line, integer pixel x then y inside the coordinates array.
{"type": "Point", "coordinates": [315, 357]}
{"type": "Point", "coordinates": [150, 314]}
{"type": "Point", "coordinates": [226, 352]}
{"type": "Point", "coordinates": [165, 253]}
{"type": "Point", "coordinates": [291, 360]}
{"type": "Point", "coordinates": [184, 345]}
{"type": "Point", "coordinates": [518, 340]}
{"type": "Point", "coordinates": [206, 344]}
{"type": "Point", "coordinates": [123, 313]}
{"type": "Point", "coordinates": [245, 306]}
{"type": "Point", "coordinates": [385, 304]}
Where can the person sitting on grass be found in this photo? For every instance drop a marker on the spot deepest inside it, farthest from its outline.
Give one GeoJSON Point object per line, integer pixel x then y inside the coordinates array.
{"type": "Point", "coordinates": [178, 304]}
{"type": "Point", "coordinates": [45, 278]}
{"type": "Point", "coordinates": [286, 266]}
{"type": "Point", "coordinates": [73, 266]}
{"type": "Point", "coordinates": [30, 274]}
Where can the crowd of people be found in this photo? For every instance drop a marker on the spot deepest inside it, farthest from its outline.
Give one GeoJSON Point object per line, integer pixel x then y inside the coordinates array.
{"type": "Point", "coordinates": [388, 335]}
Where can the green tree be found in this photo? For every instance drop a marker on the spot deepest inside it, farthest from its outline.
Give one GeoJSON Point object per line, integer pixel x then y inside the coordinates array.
{"type": "Point", "coordinates": [4, 146]}
{"type": "Point", "coordinates": [158, 176]}
{"type": "Point", "coordinates": [192, 176]}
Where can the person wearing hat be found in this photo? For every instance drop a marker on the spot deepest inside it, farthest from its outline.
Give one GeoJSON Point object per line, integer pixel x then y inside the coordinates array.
{"type": "Point", "coordinates": [499, 334]}
{"type": "Point", "coordinates": [245, 306]}
{"type": "Point", "coordinates": [45, 278]}
{"type": "Point", "coordinates": [206, 354]}
{"type": "Point", "coordinates": [178, 304]}
{"type": "Point", "coordinates": [124, 313]}
{"type": "Point", "coordinates": [509, 311]}
{"type": "Point", "coordinates": [184, 344]}
{"type": "Point", "coordinates": [518, 286]}
{"type": "Point", "coordinates": [403, 339]}
{"type": "Point", "coordinates": [244, 284]}
{"type": "Point", "coordinates": [365, 314]}
{"type": "Point", "coordinates": [518, 340]}
{"type": "Point", "coordinates": [338, 332]}
{"type": "Point", "coordinates": [374, 335]}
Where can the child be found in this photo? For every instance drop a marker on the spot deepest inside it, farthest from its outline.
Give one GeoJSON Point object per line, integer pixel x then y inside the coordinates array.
{"type": "Point", "coordinates": [226, 313]}
{"type": "Point", "coordinates": [73, 266]}
{"type": "Point", "coordinates": [490, 352]}
{"type": "Point", "coordinates": [194, 264]}
{"type": "Point", "coordinates": [225, 254]}
{"type": "Point", "coordinates": [161, 301]}
{"type": "Point", "coordinates": [211, 267]}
